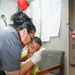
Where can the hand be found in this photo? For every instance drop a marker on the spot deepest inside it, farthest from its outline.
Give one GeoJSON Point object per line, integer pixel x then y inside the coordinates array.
{"type": "Point", "coordinates": [37, 56]}
{"type": "Point", "coordinates": [73, 35]}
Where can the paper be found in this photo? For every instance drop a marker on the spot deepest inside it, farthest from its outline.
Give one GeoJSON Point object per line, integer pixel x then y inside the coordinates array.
{"type": "Point", "coordinates": [46, 15]}
{"type": "Point", "coordinates": [51, 11]}
{"type": "Point", "coordinates": [45, 33]}
{"type": "Point", "coordinates": [45, 20]}
{"type": "Point", "coordinates": [36, 18]}
{"type": "Point", "coordinates": [55, 18]}
{"type": "Point", "coordinates": [54, 29]}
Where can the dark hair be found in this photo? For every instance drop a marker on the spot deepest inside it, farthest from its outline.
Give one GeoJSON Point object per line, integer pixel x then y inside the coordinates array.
{"type": "Point", "coordinates": [37, 40]}
{"type": "Point", "coordinates": [21, 20]}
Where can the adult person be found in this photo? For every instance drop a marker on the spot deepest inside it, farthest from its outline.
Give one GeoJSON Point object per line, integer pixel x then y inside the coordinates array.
{"type": "Point", "coordinates": [12, 39]}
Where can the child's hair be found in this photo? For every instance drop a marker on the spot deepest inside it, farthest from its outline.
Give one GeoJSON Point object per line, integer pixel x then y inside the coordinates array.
{"type": "Point", "coordinates": [37, 40]}
{"type": "Point", "coordinates": [21, 20]}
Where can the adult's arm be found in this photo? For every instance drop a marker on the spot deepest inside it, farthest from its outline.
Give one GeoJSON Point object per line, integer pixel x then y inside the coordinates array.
{"type": "Point", "coordinates": [23, 70]}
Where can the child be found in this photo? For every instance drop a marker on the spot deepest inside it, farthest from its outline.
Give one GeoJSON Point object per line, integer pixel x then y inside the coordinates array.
{"type": "Point", "coordinates": [34, 46]}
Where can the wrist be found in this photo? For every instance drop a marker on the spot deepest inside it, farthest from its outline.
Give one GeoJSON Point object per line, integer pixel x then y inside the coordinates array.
{"type": "Point", "coordinates": [33, 61]}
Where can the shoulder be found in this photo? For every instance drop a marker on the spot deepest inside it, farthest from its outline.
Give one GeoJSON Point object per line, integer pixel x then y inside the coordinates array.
{"type": "Point", "coordinates": [9, 35]}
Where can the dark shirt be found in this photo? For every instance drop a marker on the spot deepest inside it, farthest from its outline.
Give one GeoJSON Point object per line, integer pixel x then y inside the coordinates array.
{"type": "Point", "coordinates": [10, 49]}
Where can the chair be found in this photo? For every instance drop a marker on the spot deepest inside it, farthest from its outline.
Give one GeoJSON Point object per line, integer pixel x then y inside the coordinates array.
{"type": "Point", "coordinates": [52, 63]}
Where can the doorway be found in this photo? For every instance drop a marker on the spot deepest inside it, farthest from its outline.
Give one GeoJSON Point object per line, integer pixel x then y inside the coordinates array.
{"type": "Point", "coordinates": [72, 42]}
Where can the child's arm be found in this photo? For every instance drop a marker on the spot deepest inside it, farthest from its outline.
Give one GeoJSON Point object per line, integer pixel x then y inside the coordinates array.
{"type": "Point", "coordinates": [29, 72]}
{"type": "Point", "coordinates": [25, 57]}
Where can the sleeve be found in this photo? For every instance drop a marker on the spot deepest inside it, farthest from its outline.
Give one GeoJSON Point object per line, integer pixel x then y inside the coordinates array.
{"type": "Point", "coordinates": [24, 52]}
{"type": "Point", "coordinates": [10, 58]}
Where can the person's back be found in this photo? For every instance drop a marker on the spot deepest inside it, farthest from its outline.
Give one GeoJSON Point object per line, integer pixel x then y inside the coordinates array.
{"type": "Point", "coordinates": [8, 39]}
{"type": "Point", "coordinates": [9, 34]}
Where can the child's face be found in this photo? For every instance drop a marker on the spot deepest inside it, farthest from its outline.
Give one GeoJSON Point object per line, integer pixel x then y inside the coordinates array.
{"type": "Point", "coordinates": [33, 47]}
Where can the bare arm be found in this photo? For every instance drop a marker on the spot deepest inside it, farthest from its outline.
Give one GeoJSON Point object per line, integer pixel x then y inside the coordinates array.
{"type": "Point", "coordinates": [25, 57]}
{"type": "Point", "coordinates": [23, 70]}
{"type": "Point", "coordinates": [29, 72]}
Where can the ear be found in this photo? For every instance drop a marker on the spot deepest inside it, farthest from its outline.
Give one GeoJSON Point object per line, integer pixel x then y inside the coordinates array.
{"type": "Point", "coordinates": [25, 31]}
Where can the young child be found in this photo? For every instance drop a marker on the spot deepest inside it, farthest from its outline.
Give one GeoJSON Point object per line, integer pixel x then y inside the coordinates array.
{"type": "Point", "coordinates": [34, 46]}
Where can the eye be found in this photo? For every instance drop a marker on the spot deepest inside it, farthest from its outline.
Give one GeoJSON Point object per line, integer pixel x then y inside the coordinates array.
{"type": "Point", "coordinates": [32, 47]}
{"type": "Point", "coordinates": [36, 49]}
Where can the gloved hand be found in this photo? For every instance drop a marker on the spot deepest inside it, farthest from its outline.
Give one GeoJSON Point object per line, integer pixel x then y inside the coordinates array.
{"type": "Point", "coordinates": [37, 56]}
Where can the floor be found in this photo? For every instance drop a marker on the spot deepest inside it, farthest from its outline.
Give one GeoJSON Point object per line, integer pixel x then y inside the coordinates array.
{"type": "Point", "coordinates": [71, 70]}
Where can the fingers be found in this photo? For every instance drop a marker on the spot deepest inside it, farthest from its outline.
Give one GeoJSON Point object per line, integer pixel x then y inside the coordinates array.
{"type": "Point", "coordinates": [42, 49]}
{"type": "Point", "coordinates": [73, 36]}
{"type": "Point", "coordinates": [73, 32]}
